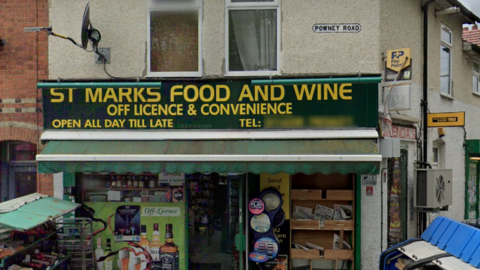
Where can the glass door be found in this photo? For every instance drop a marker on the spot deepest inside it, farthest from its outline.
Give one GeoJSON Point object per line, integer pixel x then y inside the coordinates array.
{"type": "Point", "coordinates": [214, 203]}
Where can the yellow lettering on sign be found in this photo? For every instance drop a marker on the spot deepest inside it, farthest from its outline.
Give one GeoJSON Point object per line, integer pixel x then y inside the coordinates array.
{"type": "Point", "coordinates": [304, 90]}
{"type": "Point", "coordinates": [174, 92]}
{"type": "Point", "coordinates": [195, 93]}
{"type": "Point", "coordinates": [227, 93]}
{"type": "Point", "coordinates": [110, 95]}
{"type": "Point", "coordinates": [125, 93]}
{"type": "Point", "coordinates": [138, 95]}
{"type": "Point", "coordinates": [59, 95]}
{"type": "Point", "coordinates": [262, 92]}
{"type": "Point", "coordinates": [246, 94]}
{"type": "Point", "coordinates": [202, 93]}
{"type": "Point", "coordinates": [281, 92]}
{"type": "Point", "coordinates": [333, 92]}
{"type": "Point", "coordinates": [91, 97]}
{"type": "Point", "coordinates": [151, 92]}
{"type": "Point", "coordinates": [344, 91]}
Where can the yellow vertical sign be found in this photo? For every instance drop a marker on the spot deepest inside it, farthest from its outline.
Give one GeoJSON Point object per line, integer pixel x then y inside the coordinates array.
{"type": "Point", "coordinates": [281, 182]}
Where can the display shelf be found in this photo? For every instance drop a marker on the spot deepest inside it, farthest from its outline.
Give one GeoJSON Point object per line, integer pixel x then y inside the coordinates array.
{"type": "Point", "coordinates": [340, 195]}
{"type": "Point", "coordinates": [311, 254]}
{"type": "Point", "coordinates": [126, 189]}
{"type": "Point", "coordinates": [327, 190]}
{"type": "Point", "coordinates": [329, 225]}
{"type": "Point", "coordinates": [25, 249]}
{"type": "Point", "coordinates": [306, 194]}
{"type": "Point", "coordinates": [316, 195]}
{"type": "Point", "coordinates": [338, 254]}
{"type": "Point", "coordinates": [328, 254]}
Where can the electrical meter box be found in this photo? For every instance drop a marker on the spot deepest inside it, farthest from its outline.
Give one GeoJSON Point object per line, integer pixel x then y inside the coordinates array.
{"type": "Point", "coordinates": [390, 148]}
{"type": "Point", "coordinates": [433, 188]}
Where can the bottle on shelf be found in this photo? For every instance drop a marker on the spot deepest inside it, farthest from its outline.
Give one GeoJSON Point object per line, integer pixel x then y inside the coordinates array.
{"type": "Point", "coordinates": [143, 238]}
{"type": "Point", "coordinates": [150, 181]}
{"type": "Point", "coordinates": [119, 181]}
{"type": "Point", "coordinates": [155, 243]}
{"type": "Point", "coordinates": [129, 181]}
{"type": "Point", "coordinates": [169, 255]}
{"type": "Point", "coordinates": [108, 261]}
{"type": "Point", "coordinates": [141, 183]}
{"type": "Point", "coordinates": [99, 253]}
{"type": "Point", "coordinates": [124, 181]}
{"type": "Point", "coordinates": [113, 182]}
{"type": "Point", "coordinates": [135, 181]}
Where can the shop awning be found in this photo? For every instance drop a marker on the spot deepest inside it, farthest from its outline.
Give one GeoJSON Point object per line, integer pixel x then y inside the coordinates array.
{"type": "Point", "coordinates": [33, 210]}
{"type": "Point", "coordinates": [223, 156]}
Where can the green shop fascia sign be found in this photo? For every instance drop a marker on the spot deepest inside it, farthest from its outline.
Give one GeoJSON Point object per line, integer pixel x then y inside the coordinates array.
{"type": "Point", "coordinates": [211, 105]}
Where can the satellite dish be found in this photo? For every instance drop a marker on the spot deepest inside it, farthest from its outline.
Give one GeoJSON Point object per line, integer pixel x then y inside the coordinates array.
{"type": "Point", "coordinates": [85, 26]}
{"type": "Point", "coordinates": [88, 32]}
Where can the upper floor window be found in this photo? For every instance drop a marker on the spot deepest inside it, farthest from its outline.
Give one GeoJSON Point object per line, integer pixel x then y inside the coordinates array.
{"type": "Point", "coordinates": [253, 37]}
{"type": "Point", "coordinates": [174, 38]}
{"type": "Point", "coordinates": [476, 78]}
{"type": "Point", "coordinates": [446, 61]}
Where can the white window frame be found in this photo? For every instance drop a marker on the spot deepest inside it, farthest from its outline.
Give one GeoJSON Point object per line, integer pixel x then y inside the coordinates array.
{"type": "Point", "coordinates": [450, 46]}
{"type": "Point", "coordinates": [229, 5]}
{"type": "Point", "coordinates": [196, 6]}
{"type": "Point", "coordinates": [477, 75]}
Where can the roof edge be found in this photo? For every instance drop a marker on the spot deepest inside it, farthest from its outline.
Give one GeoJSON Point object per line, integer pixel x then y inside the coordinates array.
{"type": "Point", "coordinates": [464, 10]}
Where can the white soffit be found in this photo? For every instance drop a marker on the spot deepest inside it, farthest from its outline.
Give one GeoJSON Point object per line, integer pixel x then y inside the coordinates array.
{"type": "Point", "coordinates": [156, 135]}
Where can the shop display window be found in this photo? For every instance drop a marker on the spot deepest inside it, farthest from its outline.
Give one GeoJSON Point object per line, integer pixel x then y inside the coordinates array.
{"type": "Point", "coordinates": [129, 187]}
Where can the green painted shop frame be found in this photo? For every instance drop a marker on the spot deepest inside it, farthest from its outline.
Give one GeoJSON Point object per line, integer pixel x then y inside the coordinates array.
{"type": "Point", "coordinates": [472, 193]}
{"type": "Point", "coordinates": [62, 155]}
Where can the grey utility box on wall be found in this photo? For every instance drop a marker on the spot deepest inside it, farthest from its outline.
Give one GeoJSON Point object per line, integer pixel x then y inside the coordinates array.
{"type": "Point", "coordinates": [432, 188]}
{"type": "Point", "coordinates": [390, 148]}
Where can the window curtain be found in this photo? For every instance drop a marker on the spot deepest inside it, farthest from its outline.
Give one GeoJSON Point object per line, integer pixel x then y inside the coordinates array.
{"type": "Point", "coordinates": [255, 33]}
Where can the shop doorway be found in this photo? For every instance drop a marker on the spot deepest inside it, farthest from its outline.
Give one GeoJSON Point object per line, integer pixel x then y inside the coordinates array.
{"type": "Point", "coordinates": [18, 170]}
{"type": "Point", "coordinates": [214, 209]}
{"type": "Point", "coordinates": [397, 198]}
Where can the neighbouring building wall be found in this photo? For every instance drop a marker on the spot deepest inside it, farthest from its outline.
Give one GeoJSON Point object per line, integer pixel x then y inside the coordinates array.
{"type": "Point", "coordinates": [401, 26]}
{"type": "Point", "coordinates": [399, 32]}
{"type": "Point", "coordinates": [22, 62]}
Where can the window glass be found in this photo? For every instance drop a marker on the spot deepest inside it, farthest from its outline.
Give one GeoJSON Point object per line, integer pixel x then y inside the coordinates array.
{"type": "Point", "coordinates": [475, 84]}
{"type": "Point", "coordinates": [446, 36]}
{"type": "Point", "coordinates": [253, 40]}
{"type": "Point", "coordinates": [445, 69]}
{"type": "Point", "coordinates": [435, 155]}
{"type": "Point", "coordinates": [475, 67]}
{"type": "Point", "coordinates": [174, 41]}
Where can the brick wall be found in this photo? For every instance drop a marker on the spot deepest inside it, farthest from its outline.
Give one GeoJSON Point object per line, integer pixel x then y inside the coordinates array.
{"type": "Point", "coordinates": [23, 62]}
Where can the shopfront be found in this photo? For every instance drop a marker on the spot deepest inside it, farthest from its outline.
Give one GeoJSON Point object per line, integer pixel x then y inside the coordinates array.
{"type": "Point", "coordinates": [217, 174]}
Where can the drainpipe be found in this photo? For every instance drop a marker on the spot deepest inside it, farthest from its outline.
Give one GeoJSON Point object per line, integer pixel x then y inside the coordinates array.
{"type": "Point", "coordinates": [424, 103]}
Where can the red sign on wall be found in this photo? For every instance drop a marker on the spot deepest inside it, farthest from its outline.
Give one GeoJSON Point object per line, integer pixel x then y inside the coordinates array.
{"type": "Point", "coordinates": [369, 190]}
{"type": "Point", "coordinates": [401, 133]}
